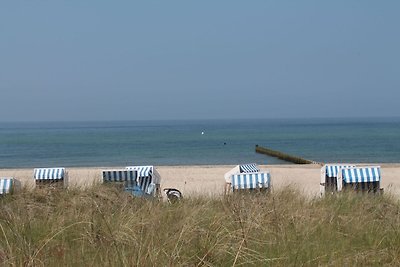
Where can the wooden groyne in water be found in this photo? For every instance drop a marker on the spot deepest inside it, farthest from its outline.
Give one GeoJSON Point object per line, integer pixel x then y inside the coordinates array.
{"type": "Point", "coordinates": [283, 156]}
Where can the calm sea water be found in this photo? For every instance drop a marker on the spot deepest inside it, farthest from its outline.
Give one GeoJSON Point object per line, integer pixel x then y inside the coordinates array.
{"type": "Point", "coordinates": [182, 142]}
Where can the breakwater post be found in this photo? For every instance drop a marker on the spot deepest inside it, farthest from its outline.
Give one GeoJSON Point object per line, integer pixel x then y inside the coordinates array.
{"type": "Point", "coordinates": [283, 156]}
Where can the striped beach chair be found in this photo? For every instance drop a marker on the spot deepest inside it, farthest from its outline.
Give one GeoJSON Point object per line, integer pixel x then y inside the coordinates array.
{"type": "Point", "coordinates": [364, 179]}
{"type": "Point", "coordinates": [148, 180]}
{"type": "Point", "coordinates": [329, 173]}
{"type": "Point", "coordinates": [7, 185]}
{"type": "Point", "coordinates": [247, 177]}
{"type": "Point", "coordinates": [54, 177]}
{"type": "Point", "coordinates": [123, 178]}
{"type": "Point", "coordinates": [251, 181]}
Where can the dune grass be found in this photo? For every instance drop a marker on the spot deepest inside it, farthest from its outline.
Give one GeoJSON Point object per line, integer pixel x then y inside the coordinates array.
{"type": "Point", "coordinates": [101, 226]}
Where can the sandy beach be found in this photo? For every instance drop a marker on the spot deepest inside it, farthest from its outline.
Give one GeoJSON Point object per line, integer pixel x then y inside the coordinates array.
{"type": "Point", "coordinates": [209, 179]}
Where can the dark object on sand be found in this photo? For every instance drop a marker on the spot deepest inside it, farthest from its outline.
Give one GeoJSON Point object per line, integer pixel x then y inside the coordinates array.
{"type": "Point", "coordinates": [173, 195]}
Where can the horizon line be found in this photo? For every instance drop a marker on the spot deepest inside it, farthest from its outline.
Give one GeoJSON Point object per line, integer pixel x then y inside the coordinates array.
{"type": "Point", "coordinates": [204, 119]}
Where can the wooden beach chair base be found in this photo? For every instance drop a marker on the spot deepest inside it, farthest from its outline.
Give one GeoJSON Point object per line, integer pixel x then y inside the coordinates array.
{"type": "Point", "coordinates": [50, 184]}
{"type": "Point", "coordinates": [330, 184]}
{"type": "Point", "coordinates": [368, 187]}
{"type": "Point", "coordinates": [251, 191]}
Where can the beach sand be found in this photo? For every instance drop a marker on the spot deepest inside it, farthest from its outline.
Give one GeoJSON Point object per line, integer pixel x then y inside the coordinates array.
{"type": "Point", "coordinates": [209, 180]}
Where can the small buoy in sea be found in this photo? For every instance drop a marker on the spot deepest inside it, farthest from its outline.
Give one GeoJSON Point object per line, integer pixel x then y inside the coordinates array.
{"type": "Point", "coordinates": [202, 133]}
{"type": "Point", "coordinates": [224, 143]}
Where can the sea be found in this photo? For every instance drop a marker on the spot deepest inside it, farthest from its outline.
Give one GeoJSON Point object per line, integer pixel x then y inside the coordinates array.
{"type": "Point", "coordinates": [197, 142]}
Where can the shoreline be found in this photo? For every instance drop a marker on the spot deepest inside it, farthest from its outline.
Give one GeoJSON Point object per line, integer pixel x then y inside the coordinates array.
{"type": "Point", "coordinates": [288, 165]}
{"type": "Point", "coordinates": [208, 180]}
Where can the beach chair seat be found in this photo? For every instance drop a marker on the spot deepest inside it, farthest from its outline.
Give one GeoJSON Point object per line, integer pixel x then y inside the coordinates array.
{"type": "Point", "coordinates": [148, 179]}
{"type": "Point", "coordinates": [136, 191]}
{"type": "Point", "coordinates": [130, 181]}
{"type": "Point", "coordinates": [362, 187]}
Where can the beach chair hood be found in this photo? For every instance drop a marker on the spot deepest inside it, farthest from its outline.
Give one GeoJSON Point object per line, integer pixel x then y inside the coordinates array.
{"type": "Point", "coordinates": [119, 175]}
{"type": "Point", "coordinates": [332, 170]}
{"type": "Point", "coordinates": [244, 168]}
{"type": "Point", "coordinates": [358, 175]}
{"type": "Point", "coordinates": [251, 180]}
{"type": "Point", "coordinates": [49, 174]}
{"type": "Point", "coordinates": [148, 178]}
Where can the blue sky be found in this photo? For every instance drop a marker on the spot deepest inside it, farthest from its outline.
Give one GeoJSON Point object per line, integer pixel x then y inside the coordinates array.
{"type": "Point", "coordinates": [130, 60]}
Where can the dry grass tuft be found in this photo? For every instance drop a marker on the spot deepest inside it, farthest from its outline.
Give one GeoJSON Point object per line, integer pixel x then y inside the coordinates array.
{"type": "Point", "coordinates": [103, 227]}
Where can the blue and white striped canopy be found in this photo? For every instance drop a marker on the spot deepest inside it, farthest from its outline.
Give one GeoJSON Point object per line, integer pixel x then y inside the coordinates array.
{"type": "Point", "coordinates": [246, 168]}
{"type": "Point", "coordinates": [250, 180]}
{"type": "Point", "coordinates": [145, 176]}
{"type": "Point", "coordinates": [119, 176]}
{"type": "Point", "coordinates": [143, 171]}
{"type": "Point", "coordinates": [5, 185]}
{"type": "Point", "coordinates": [361, 174]}
{"type": "Point", "coordinates": [49, 174]}
{"type": "Point", "coordinates": [332, 170]}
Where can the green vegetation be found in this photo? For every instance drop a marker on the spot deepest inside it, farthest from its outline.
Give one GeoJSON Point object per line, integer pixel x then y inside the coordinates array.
{"type": "Point", "coordinates": [101, 226]}
{"type": "Point", "coordinates": [282, 156]}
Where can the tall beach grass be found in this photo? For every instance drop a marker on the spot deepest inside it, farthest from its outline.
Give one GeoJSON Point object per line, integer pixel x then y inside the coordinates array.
{"type": "Point", "coordinates": [101, 226]}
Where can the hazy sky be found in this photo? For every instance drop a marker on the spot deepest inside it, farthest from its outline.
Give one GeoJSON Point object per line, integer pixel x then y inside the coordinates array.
{"type": "Point", "coordinates": [125, 60]}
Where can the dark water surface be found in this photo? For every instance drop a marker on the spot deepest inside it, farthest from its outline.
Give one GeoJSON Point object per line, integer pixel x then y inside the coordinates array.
{"type": "Point", "coordinates": [182, 142]}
